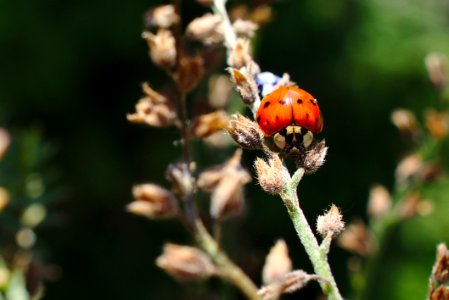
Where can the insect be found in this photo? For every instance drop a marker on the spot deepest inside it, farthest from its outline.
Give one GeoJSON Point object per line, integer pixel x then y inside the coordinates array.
{"type": "Point", "coordinates": [292, 116]}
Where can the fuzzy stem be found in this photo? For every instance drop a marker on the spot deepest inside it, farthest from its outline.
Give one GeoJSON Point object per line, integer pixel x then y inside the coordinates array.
{"type": "Point", "coordinates": [227, 269]}
{"type": "Point", "coordinates": [219, 9]}
{"type": "Point", "coordinates": [305, 234]}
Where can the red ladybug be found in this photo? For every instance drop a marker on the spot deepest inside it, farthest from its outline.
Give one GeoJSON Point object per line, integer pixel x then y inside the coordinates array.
{"type": "Point", "coordinates": [292, 115]}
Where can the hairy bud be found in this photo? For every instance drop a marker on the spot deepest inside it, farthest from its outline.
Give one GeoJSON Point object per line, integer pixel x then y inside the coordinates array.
{"type": "Point", "coordinates": [246, 86]}
{"type": "Point", "coordinates": [331, 223]}
{"type": "Point", "coordinates": [439, 280]}
{"type": "Point", "coordinates": [181, 178]}
{"type": "Point", "coordinates": [189, 72]}
{"type": "Point", "coordinates": [245, 132]}
{"type": "Point", "coordinates": [245, 28]}
{"type": "Point", "coordinates": [185, 263]}
{"type": "Point", "coordinates": [356, 239]}
{"type": "Point", "coordinates": [272, 175]}
{"type": "Point", "coordinates": [437, 69]}
{"type": "Point", "coordinates": [240, 55]}
{"type": "Point", "coordinates": [315, 157]}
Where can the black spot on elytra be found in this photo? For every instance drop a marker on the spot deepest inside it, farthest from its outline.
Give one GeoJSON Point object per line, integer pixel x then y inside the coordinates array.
{"type": "Point", "coordinates": [299, 101]}
{"type": "Point", "coordinates": [277, 118]}
{"type": "Point", "coordinates": [282, 102]}
{"type": "Point", "coordinates": [258, 119]}
{"type": "Point", "coordinates": [266, 104]}
{"type": "Point", "coordinates": [307, 116]}
{"type": "Point", "coordinates": [313, 101]}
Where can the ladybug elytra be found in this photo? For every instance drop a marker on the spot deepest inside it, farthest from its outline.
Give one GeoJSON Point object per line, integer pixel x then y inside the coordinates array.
{"type": "Point", "coordinates": [291, 115]}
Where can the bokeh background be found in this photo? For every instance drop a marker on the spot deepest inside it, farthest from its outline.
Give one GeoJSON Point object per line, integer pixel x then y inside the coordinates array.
{"type": "Point", "coordinates": [70, 71]}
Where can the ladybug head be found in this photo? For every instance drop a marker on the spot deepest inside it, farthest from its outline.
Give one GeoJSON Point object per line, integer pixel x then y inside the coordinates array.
{"type": "Point", "coordinates": [293, 139]}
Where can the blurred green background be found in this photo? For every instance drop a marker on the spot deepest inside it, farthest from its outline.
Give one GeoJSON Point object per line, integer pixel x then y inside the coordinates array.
{"type": "Point", "coordinates": [73, 69]}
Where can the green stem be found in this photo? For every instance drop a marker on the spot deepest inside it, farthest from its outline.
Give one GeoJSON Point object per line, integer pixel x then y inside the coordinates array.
{"type": "Point", "coordinates": [228, 270]}
{"type": "Point", "coordinates": [316, 254]}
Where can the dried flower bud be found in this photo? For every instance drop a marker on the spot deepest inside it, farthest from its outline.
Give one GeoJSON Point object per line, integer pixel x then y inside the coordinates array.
{"type": "Point", "coordinates": [162, 47]}
{"type": "Point", "coordinates": [408, 168]}
{"type": "Point", "coordinates": [439, 280]}
{"type": "Point", "coordinates": [219, 91]}
{"type": "Point", "coordinates": [185, 263]}
{"type": "Point", "coordinates": [379, 202]}
{"type": "Point", "coordinates": [246, 86]}
{"type": "Point", "coordinates": [206, 29]}
{"type": "Point", "coordinates": [218, 140]}
{"type": "Point", "coordinates": [437, 124]}
{"type": "Point", "coordinates": [225, 182]}
{"type": "Point", "coordinates": [245, 132]}
{"type": "Point", "coordinates": [163, 16]}
{"type": "Point", "coordinates": [277, 263]}
{"type": "Point", "coordinates": [315, 157]}
{"type": "Point", "coordinates": [210, 123]}
{"type": "Point", "coordinates": [244, 28]}
{"type": "Point", "coordinates": [436, 64]}
{"type": "Point", "coordinates": [262, 14]}
{"type": "Point", "coordinates": [153, 109]}
{"type": "Point", "coordinates": [189, 72]}
{"type": "Point", "coordinates": [153, 201]}
{"type": "Point", "coordinates": [405, 121]}
{"type": "Point", "coordinates": [240, 55]}
{"type": "Point", "coordinates": [272, 175]}
{"type": "Point", "coordinates": [331, 223]}
{"type": "Point", "coordinates": [4, 198]}
{"type": "Point", "coordinates": [356, 238]}
{"type": "Point", "coordinates": [289, 283]}
{"type": "Point", "coordinates": [414, 204]}
{"type": "Point", "coordinates": [181, 178]}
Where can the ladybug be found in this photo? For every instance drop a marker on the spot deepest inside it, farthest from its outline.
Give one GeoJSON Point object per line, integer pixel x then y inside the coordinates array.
{"type": "Point", "coordinates": [291, 116]}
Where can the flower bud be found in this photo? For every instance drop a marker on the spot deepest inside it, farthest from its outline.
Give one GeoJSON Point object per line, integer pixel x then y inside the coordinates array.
{"type": "Point", "coordinates": [219, 91]}
{"type": "Point", "coordinates": [189, 72]}
{"type": "Point", "coordinates": [379, 202]}
{"type": "Point", "coordinates": [181, 178]}
{"type": "Point", "coordinates": [245, 132]}
{"type": "Point", "coordinates": [225, 182]}
{"type": "Point", "coordinates": [314, 158]}
{"type": "Point", "coordinates": [245, 28]}
{"type": "Point", "coordinates": [206, 29]}
{"type": "Point", "coordinates": [4, 198]}
{"type": "Point", "coordinates": [153, 201]}
{"type": "Point", "coordinates": [246, 86]}
{"type": "Point", "coordinates": [437, 124]}
{"type": "Point", "coordinates": [153, 109]}
{"type": "Point", "coordinates": [408, 168]}
{"type": "Point", "coordinates": [240, 55]}
{"type": "Point", "coordinates": [331, 223]}
{"type": "Point", "coordinates": [439, 280]}
{"type": "Point", "coordinates": [437, 69]}
{"type": "Point", "coordinates": [208, 124]}
{"type": "Point", "coordinates": [405, 121]}
{"type": "Point", "coordinates": [5, 140]}
{"type": "Point", "coordinates": [277, 263]}
{"type": "Point", "coordinates": [289, 283]}
{"type": "Point", "coordinates": [356, 239]}
{"type": "Point", "coordinates": [185, 263]}
{"type": "Point", "coordinates": [272, 175]}
{"type": "Point", "coordinates": [163, 16]}
{"type": "Point", "coordinates": [162, 48]}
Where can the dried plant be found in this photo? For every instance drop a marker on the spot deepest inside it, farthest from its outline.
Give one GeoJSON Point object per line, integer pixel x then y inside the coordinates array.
{"type": "Point", "coordinates": [168, 49]}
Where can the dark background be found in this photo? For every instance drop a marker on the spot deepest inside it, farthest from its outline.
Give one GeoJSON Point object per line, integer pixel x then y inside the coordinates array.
{"type": "Point", "coordinates": [73, 69]}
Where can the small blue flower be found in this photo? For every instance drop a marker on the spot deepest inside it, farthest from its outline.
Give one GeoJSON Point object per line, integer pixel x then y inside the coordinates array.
{"type": "Point", "coordinates": [266, 82]}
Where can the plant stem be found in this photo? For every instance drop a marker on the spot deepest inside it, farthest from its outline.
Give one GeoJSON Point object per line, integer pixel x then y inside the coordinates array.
{"type": "Point", "coordinates": [305, 234]}
{"type": "Point", "coordinates": [219, 8]}
{"type": "Point", "coordinates": [228, 270]}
